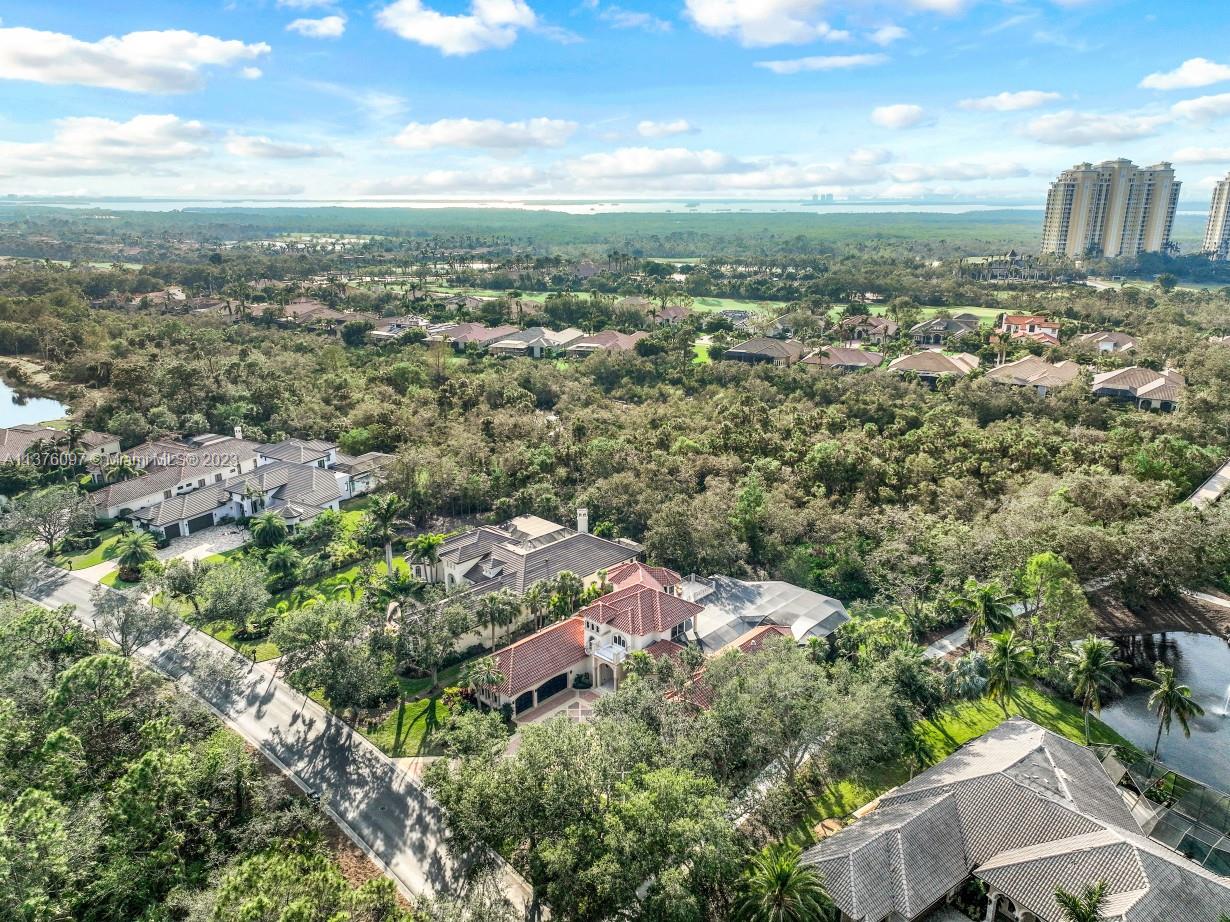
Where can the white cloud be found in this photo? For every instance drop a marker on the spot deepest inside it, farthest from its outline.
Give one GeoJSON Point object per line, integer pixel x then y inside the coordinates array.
{"type": "Point", "coordinates": [1077, 128]}
{"type": "Point", "coordinates": [251, 73]}
{"type": "Point", "coordinates": [886, 35]}
{"type": "Point", "coordinates": [869, 156]}
{"type": "Point", "coordinates": [763, 22]}
{"type": "Point", "coordinates": [1010, 102]}
{"type": "Point", "coordinates": [1201, 155]}
{"type": "Point", "coordinates": [650, 129]}
{"type": "Point", "coordinates": [485, 178]}
{"type": "Point", "coordinates": [88, 145]}
{"type": "Point", "coordinates": [901, 115]}
{"type": "Point", "coordinates": [957, 170]}
{"type": "Point", "coordinates": [630, 162]}
{"type": "Point", "coordinates": [489, 24]}
{"type": "Point", "coordinates": [486, 133]}
{"type": "Point", "coordinates": [621, 18]}
{"type": "Point", "coordinates": [170, 61]}
{"type": "Point", "coordinates": [1203, 108]}
{"type": "Point", "coordinates": [325, 27]}
{"type": "Point", "coordinates": [303, 4]}
{"type": "Point", "coordinates": [268, 149]}
{"type": "Point", "coordinates": [1191, 73]}
{"type": "Point", "coordinates": [822, 62]}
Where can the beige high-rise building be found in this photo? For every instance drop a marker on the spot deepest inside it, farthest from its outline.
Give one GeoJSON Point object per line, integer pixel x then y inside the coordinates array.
{"type": "Point", "coordinates": [1217, 231]}
{"type": "Point", "coordinates": [1113, 208]}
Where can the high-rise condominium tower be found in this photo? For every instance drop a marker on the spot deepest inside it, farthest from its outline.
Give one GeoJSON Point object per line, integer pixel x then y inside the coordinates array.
{"type": "Point", "coordinates": [1113, 208]}
{"type": "Point", "coordinates": [1217, 232]}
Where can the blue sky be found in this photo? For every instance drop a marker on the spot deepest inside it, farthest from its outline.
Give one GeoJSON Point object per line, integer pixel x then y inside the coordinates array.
{"type": "Point", "coordinates": [525, 99]}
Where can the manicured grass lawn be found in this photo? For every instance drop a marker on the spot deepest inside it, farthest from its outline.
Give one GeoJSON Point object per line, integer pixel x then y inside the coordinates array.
{"type": "Point", "coordinates": [764, 308]}
{"type": "Point", "coordinates": [225, 632]}
{"type": "Point", "coordinates": [104, 552]}
{"type": "Point", "coordinates": [941, 736]}
{"type": "Point", "coordinates": [415, 687]}
{"type": "Point", "coordinates": [409, 728]}
{"type": "Point", "coordinates": [113, 580]}
{"type": "Point", "coordinates": [224, 556]}
{"type": "Point", "coordinates": [701, 351]}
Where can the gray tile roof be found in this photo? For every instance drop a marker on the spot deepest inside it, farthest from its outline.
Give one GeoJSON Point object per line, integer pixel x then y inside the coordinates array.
{"type": "Point", "coordinates": [300, 484]}
{"type": "Point", "coordinates": [301, 451]}
{"type": "Point", "coordinates": [168, 462]}
{"type": "Point", "coordinates": [181, 507]}
{"type": "Point", "coordinates": [1034, 811]}
{"type": "Point", "coordinates": [522, 557]}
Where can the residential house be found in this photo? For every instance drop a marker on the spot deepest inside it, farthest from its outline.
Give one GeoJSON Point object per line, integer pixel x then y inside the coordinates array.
{"type": "Point", "coordinates": [172, 467]}
{"type": "Point", "coordinates": [1107, 341]}
{"type": "Point", "coordinates": [1010, 267]}
{"type": "Point", "coordinates": [606, 341]}
{"type": "Point", "coordinates": [363, 472]}
{"type": "Point", "coordinates": [519, 553]}
{"type": "Point", "coordinates": [93, 447]}
{"type": "Point", "coordinates": [733, 608]}
{"type": "Point", "coordinates": [1148, 389]}
{"type": "Point", "coordinates": [762, 350]}
{"type": "Point", "coordinates": [636, 303]}
{"type": "Point", "coordinates": [938, 330]}
{"type": "Point", "coordinates": [867, 328]}
{"type": "Point", "coordinates": [192, 484]}
{"type": "Point", "coordinates": [673, 315]}
{"type": "Point", "coordinates": [304, 312]}
{"type": "Point", "coordinates": [1023, 811]}
{"type": "Point", "coordinates": [739, 319]}
{"type": "Point", "coordinates": [391, 329]}
{"type": "Point", "coordinates": [844, 359]}
{"type": "Point", "coordinates": [535, 342]}
{"type": "Point", "coordinates": [1032, 327]}
{"type": "Point", "coordinates": [931, 365]}
{"type": "Point", "coordinates": [1034, 372]}
{"type": "Point", "coordinates": [585, 269]}
{"type": "Point", "coordinates": [461, 335]}
{"type": "Point", "coordinates": [640, 613]}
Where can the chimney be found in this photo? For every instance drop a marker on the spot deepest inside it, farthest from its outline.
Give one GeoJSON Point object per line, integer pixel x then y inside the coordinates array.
{"type": "Point", "coordinates": [582, 520]}
{"type": "Point", "coordinates": [239, 432]}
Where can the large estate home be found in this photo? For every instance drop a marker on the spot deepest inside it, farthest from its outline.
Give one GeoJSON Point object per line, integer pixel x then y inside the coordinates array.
{"type": "Point", "coordinates": [535, 342]}
{"type": "Point", "coordinates": [1024, 811]}
{"type": "Point", "coordinates": [18, 442]}
{"type": "Point", "coordinates": [938, 330]}
{"type": "Point", "coordinates": [605, 341]}
{"type": "Point", "coordinates": [185, 485]}
{"type": "Point", "coordinates": [733, 608]}
{"type": "Point", "coordinates": [930, 365]}
{"type": "Point", "coordinates": [1107, 341]}
{"type": "Point", "coordinates": [1148, 389]}
{"type": "Point", "coordinates": [640, 613]}
{"type": "Point", "coordinates": [520, 552]}
{"type": "Point", "coordinates": [1033, 327]}
{"type": "Point", "coordinates": [867, 328]}
{"type": "Point", "coordinates": [764, 350]}
{"type": "Point", "coordinates": [843, 358]}
{"type": "Point", "coordinates": [1032, 371]}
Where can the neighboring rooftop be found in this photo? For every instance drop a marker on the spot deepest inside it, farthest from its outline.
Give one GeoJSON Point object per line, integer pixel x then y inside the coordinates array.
{"type": "Point", "coordinates": [541, 656]}
{"type": "Point", "coordinates": [931, 364]}
{"type": "Point", "coordinates": [1035, 372]}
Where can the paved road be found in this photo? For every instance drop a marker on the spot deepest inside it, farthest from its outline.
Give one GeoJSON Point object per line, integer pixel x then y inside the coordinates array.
{"type": "Point", "coordinates": [1212, 489]}
{"type": "Point", "coordinates": [380, 807]}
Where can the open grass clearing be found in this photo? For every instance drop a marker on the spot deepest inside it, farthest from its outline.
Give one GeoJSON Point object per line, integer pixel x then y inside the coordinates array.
{"type": "Point", "coordinates": [101, 554]}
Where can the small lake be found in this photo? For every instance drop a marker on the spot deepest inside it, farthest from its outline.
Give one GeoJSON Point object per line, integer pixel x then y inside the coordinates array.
{"type": "Point", "coordinates": [16, 409]}
{"type": "Point", "coordinates": [1201, 662]}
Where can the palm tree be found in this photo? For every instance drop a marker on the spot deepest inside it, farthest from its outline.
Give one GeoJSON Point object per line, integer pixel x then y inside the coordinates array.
{"type": "Point", "coordinates": [122, 468]}
{"type": "Point", "coordinates": [536, 600]}
{"type": "Point", "coordinates": [383, 514]}
{"type": "Point", "coordinates": [817, 649]}
{"type": "Point", "coordinates": [639, 663]}
{"type": "Point", "coordinates": [425, 548]}
{"type": "Point", "coordinates": [481, 674]}
{"type": "Point", "coordinates": [132, 551]}
{"type": "Point", "coordinates": [1086, 906]}
{"type": "Point", "coordinates": [1008, 665]}
{"type": "Point", "coordinates": [1092, 669]}
{"type": "Point", "coordinates": [968, 679]}
{"type": "Point", "coordinates": [497, 609]}
{"type": "Point", "coordinates": [282, 561]}
{"type": "Point", "coordinates": [1171, 700]}
{"type": "Point", "coordinates": [566, 597]}
{"type": "Point", "coordinates": [989, 609]}
{"type": "Point", "coordinates": [268, 529]}
{"type": "Point", "coordinates": [777, 887]}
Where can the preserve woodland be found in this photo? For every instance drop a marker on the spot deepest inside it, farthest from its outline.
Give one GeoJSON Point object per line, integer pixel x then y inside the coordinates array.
{"type": "Point", "coordinates": [691, 792]}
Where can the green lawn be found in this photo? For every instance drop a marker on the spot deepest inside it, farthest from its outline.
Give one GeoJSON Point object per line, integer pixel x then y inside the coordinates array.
{"type": "Point", "coordinates": [113, 580]}
{"type": "Point", "coordinates": [701, 351]}
{"type": "Point", "coordinates": [224, 556]}
{"type": "Point", "coordinates": [763, 308]}
{"type": "Point", "coordinates": [104, 552]}
{"type": "Point", "coordinates": [409, 728]}
{"type": "Point", "coordinates": [225, 632]}
{"type": "Point", "coordinates": [942, 735]}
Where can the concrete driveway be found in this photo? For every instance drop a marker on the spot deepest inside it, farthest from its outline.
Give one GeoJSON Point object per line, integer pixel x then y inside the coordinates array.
{"type": "Point", "coordinates": [205, 543]}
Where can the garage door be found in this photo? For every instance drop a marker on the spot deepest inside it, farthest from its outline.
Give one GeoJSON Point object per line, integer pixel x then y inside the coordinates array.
{"type": "Point", "coordinates": [201, 521]}
{"type": "Point", "coordinates": [172, 531]}
{"type": "Point", "coordinates": [552, 687]}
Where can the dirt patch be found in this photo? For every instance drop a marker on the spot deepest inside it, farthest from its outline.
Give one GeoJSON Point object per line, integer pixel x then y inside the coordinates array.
{"type": "Point", "coordinates": [1155, 616]}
